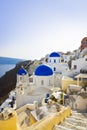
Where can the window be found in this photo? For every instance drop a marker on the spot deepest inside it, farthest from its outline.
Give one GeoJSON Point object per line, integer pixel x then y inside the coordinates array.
{"type": "Point", "coordinates": [54, 60]}
{"type": "Point", "coordinates": [75, 67]}
{"type": "Point", "coordinates": [54, 69]}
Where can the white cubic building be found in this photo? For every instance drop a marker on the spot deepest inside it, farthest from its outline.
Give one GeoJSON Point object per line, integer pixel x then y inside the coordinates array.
{"type": "Point", "coordinates": [80, 64]}
{"type": "Point", "coordinates": [57, 66]}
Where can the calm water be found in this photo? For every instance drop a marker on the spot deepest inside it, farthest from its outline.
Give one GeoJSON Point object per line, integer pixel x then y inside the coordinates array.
{"type": "Point", "coordinates": [5, 67]}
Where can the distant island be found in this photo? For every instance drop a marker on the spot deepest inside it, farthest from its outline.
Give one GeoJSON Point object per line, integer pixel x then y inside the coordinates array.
{"type": "Point", "coordinates": [7, 60]}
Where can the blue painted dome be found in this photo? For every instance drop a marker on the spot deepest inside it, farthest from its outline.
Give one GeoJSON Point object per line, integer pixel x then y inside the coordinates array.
{"type": "Point", "coordinates": [54, 54]}
{"type": "Point", "coordinates": [22, 71]}
{"type": "Point", "coordinates": [43, 70]}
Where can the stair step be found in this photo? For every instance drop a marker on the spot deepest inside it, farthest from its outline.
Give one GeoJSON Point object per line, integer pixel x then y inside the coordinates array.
{"type": "Point", "coordinates": [76, 120]}
{"type": "Point", "coordinates": [68, 125]}
{"type": "Point", "coordinates": [60, 127]}
{"type": "Point", "coordinates": [79, 118]}
{"type": "Point", "coordinates": [81, 115]}
{"type": "Point", "coordinates": [81, 128]}
{"type": "Point", "coordinates": [77, 124]}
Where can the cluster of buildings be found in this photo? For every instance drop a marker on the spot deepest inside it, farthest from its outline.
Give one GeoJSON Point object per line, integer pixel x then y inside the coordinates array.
{"type": "Point", "coordinates": [54, 72]}
{"type": "Point", "coordinates": [58, 71]}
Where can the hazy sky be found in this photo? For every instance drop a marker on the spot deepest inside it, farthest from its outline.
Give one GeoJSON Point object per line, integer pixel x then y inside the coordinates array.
{"type": "Point", "coordinates": [30, 29]}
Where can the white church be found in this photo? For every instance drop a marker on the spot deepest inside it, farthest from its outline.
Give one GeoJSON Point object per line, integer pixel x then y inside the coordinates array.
{"type": "Point", "coordinates": [57, 66]}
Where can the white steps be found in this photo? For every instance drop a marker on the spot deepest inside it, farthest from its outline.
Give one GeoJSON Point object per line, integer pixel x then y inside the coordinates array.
{"type": "Point", "coordinates": [77, 121]}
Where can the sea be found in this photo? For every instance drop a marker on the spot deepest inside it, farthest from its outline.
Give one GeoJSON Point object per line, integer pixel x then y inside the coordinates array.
{"type": "Point", "coordinates": [5, 67]}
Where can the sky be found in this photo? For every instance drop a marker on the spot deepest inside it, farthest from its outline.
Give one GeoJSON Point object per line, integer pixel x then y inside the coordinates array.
{"type": "Point", "coordinates": [30, 29]}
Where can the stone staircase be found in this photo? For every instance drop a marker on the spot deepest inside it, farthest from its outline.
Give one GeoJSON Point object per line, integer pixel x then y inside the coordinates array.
{"type": "Point", "coordinates": [77, 121]}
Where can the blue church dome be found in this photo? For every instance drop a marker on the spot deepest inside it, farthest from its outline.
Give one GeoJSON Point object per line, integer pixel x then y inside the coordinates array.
{"type": "Point", "coordinates": [54, 54]}
{"type": "Point", "coordinates": [43, 70]}
{"type": "Point", "coordinates": [22, 71]}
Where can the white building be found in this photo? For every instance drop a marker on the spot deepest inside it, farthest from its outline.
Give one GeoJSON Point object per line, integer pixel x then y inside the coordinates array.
{"type": "Point", "coordinates": [66, 57]}
{"type": "Point", "coordinates": [79, 64]}
{"type": "Point", "coordinates": [22, 80]}
{"type": "Point", "coordinates": [57, 66]}
{"type": "Point", "coordinates": [43, 76]}
{"type": "Point", "coordinates": [28, 92]}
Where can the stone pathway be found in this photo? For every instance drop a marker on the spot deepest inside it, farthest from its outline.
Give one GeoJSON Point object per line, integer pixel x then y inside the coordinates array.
{"type": "Point", "coordinates": [77, 121]}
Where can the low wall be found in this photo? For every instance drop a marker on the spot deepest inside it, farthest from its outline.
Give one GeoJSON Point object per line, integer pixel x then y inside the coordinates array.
{"type": "Point", "coordinates": [27, 106]}
{"type": "Point", "coordinates": [10, 123]}
{"type": "Point", "coordinates": [81, 103]}
{"type": "Point", "coordinates": [67, 82]}
{"type": "Point", "coordinates": [49, 122]}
